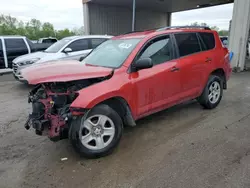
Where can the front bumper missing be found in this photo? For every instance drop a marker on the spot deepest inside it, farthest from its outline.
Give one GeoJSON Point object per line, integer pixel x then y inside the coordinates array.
{"type": "Point", "coordinates": [56, 128]}
{"type": "Point", "coordinates": [38, 125]}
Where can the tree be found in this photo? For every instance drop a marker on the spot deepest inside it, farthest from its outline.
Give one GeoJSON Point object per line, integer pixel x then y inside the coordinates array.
{"type": "Point", "coordinates": [215, 28]}
{"type": "Point", "coordinates": [34, 29]}
{"type": "Point", "coordinates": [79, 31]}
{"type": "Point", "coordinates": [48, 30]}
{"type": "Point", "coordinates": [221, 32]}
{"type": "Point", "coordinates": [64, 33]}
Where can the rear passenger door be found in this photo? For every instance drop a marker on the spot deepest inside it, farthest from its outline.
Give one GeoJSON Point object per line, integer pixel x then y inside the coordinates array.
{"type": "Point", "coordinates": [15, 47]}
{"type": "Point", "coordinates": [80, 48]}
{"type": "Point", "coordinates": [192, 64]}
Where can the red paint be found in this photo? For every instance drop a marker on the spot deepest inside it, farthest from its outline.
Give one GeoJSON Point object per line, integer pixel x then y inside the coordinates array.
{"type": "Point", "coordinates": [62, 71]}
{"type": "Point", "coordinates": [146, 91]}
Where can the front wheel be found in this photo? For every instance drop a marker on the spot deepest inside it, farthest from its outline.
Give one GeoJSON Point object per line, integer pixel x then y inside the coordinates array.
{"type": "Point", "coordinates": [212, 93]}
{"type": "Point", "coordinates": [98, 134]}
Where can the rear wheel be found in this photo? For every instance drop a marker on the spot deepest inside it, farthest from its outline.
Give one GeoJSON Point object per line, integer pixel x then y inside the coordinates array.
{"type": "Point", "coordinates": [98, 134]}
{"type": "Point", "coordinates": [212, 94]}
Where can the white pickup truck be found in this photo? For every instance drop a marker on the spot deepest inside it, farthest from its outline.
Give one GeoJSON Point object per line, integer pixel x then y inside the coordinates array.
{"type": "Point", "coordinates": [14, 46]}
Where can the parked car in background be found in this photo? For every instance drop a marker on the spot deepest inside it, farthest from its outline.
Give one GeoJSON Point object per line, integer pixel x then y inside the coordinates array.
{"type": "Point", "coordinates": [224, 40]}
{"type": "Point", "coordinates": [14, 46]}
{"type": "Point", "coordinates": [73, 48]}
{"type": "Point", "coordinates": [124, 79]}
{"type": "Point", "coordinates": [50, 40]}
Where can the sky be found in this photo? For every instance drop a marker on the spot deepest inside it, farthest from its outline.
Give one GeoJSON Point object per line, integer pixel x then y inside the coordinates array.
{"type": "Point", "coordinates": [68, 13]}
{"type": "Point", "coordinates": [214, 16]}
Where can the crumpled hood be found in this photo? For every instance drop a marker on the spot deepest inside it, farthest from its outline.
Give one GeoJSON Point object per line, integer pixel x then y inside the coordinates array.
{"type": "Point", "coordinates": [34, 55]}
{"type": "Point", "coordinates": [62, 71]}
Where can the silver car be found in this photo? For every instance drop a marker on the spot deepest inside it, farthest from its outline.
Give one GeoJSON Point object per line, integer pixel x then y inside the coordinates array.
{"type": "Point", "coordinates": [69, 48]}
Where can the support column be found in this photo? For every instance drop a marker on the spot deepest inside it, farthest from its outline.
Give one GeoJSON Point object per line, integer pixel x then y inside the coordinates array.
{"type": "Point", "coordinates": [169, 19]}
{"type": "Point", "coordinates": [133, 17]}
{"type": "Point", "coordinates": [86, 18]}
{"type": "Point", "coordinates": [239, 33]}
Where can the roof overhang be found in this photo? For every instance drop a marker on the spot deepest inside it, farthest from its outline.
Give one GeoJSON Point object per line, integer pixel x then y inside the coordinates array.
{"type": "Point", "coordinates": [163, 5]}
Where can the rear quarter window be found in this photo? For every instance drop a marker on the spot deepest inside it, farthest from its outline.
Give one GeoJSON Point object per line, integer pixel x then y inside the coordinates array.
{"type": "Point", "coordinates": [208, 40]}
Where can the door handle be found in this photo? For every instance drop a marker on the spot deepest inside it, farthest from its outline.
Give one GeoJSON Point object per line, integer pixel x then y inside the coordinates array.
{"type": "Point", "coordinates": [208, 60]}
{"type": "Point", "coordinates": [174, 69]}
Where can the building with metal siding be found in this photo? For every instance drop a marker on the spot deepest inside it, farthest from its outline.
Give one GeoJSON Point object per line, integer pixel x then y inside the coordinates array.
{"type": "Point", "coordinates": [114, 20]}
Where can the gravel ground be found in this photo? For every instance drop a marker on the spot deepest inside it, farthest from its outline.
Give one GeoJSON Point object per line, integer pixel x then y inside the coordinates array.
{"type": "Point", "coordinates": [182, 147]}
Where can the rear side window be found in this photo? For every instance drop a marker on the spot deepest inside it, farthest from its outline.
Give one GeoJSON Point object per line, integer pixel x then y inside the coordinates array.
{"type": "Point", "coordinates": [96, 42]}
{"type": "Point", "coordinates": [79, 45]}
{"type": "Point", "coordinates": [14, 44]}
{"type": "Point", "coordinates": [187, 43]}
{"type": "Point", "coordinates": [208, 40]}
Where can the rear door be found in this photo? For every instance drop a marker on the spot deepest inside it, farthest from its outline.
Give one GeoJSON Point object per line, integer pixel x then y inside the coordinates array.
{"type": "Point", "coordinates": [209, 52]}
{"type": "Point", "coordinates": [192, 64]}
{"type": "Point", "coordinates": [15, 47]}
{"type": "Point", "coordinates": [80, 48]}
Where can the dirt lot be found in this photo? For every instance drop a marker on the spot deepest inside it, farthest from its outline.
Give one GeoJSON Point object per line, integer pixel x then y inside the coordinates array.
{"type": "Point", "coordinates": [184, 146]}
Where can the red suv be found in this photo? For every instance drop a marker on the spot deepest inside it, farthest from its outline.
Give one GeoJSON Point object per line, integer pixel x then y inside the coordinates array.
{"type": "Point", "coordinates": [124, 79]}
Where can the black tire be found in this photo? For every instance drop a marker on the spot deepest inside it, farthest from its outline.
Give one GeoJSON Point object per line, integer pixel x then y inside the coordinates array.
{"type": "Point", "coordinates": [76, 125]}
{"type": "Point", "coordinates": [204, 98]}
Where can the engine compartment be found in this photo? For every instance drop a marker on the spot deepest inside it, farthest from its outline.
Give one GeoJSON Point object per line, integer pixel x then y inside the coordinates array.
{"type": "Point", "coordinates": [51, 107]}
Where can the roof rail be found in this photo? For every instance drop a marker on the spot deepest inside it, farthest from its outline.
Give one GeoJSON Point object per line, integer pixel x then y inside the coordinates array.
{"type": "Point", "coordinates": [184, 27]}
{"type": "Point", "coordinates": [137, 31]}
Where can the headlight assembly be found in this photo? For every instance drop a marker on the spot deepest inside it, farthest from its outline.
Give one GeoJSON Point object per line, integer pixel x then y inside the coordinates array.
{"type": "Point", "coordinates": [28, 62]}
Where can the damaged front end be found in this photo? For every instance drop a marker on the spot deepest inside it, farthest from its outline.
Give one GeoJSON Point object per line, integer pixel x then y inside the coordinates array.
{"type": "Point", "coordinates": [51, 102]}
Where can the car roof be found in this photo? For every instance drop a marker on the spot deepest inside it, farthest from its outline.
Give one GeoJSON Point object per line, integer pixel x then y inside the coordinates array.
{"type": "Point", "coordinates": [47, 38]}
{"type": "Point", "coordinates": [88, 36]}
{"type": "Point", "coordinates": [12, 36]}
{"type": "Point", "coordinates": [156, 32]}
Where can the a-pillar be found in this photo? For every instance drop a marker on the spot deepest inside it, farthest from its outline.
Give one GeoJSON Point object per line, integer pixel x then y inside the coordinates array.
{"type": "Point", "coordinates": [239, 33]}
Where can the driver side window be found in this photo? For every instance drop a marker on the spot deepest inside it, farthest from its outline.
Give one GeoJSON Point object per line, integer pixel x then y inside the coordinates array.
{"type": "Point", "coordinates": [159, 50]}
{"type": "Point", "coordinates": [79, 45]}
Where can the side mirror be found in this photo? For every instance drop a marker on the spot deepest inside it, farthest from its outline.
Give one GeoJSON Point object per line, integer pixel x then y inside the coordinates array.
{"type": "Point", "coordinates": [67, 50]}
{"type": "Point", "coordinates": [144, 63]}
{"type": "Point", "coordinates": [81, 58]}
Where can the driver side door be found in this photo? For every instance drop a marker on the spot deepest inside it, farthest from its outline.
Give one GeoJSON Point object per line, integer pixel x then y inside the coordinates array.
{"type": "Point", "coordinates": [158, 87]}
{"type": "Point", "coordinates": [80, 48]}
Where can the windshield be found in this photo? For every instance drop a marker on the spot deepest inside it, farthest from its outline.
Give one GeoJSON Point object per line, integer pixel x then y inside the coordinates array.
{"type": "Point", "coordinates": [54, 48]}
{"type": "Point", "coordinates": [111, 53]}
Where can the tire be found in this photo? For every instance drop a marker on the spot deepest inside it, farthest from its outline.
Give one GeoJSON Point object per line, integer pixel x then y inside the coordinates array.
{"type": "Point", "coordinates": [95, 146]}
{"type": "Point", "coordinates": [205, 99]}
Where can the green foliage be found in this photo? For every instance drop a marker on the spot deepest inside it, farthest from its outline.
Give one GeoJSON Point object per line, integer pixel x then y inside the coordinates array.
{"type": "Point", "coordinates": [34, 29]}
{"type": "Point", "coordinates": [221, 32]}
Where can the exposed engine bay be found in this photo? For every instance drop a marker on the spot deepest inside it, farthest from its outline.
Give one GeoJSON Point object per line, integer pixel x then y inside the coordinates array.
{"type": "Point", "coordinates": [51, 107]}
